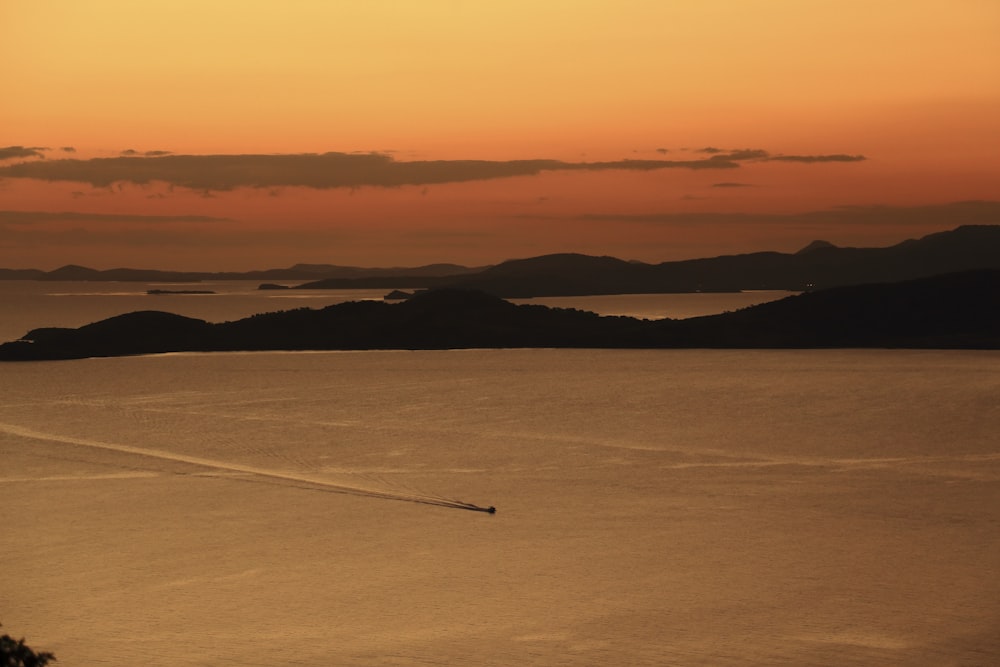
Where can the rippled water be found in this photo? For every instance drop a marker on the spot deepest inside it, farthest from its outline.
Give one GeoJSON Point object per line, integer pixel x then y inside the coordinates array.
{"type": "Point", "coordinates": [666, 507]}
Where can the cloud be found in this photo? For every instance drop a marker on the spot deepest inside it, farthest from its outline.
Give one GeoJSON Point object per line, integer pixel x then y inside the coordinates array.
{"type": "Point", "coordinates": [34, 217]}
{"type": "Point", "coordinates": [328, 170]}
{"type": "Point", "coordinates": [743, 154]}
{"type": "Point", "coordinates": [645, 165]}
{"type": "Point", "coordinates": [839, 157]}
{"type": "Point", "coordinates": [209, 173]}
{"type": "Point", "coordinates": [11, 152]}
{"type": "Point", "coordinates": [764, 156]}
{"type": "Point", "coordinates": [68, 149]}
{"type": "Point", "coordinates": [732, 184]}
{"type": "Point", "coordinates": [131, 152]}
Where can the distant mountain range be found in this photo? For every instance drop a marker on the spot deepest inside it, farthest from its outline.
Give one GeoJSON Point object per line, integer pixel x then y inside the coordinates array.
{"type": "Point", "coordinates": [817, 266]}
{"type": "Point", "coordinates": [73, 272]}
{"type": "Point", "coordinates": [959, 310]}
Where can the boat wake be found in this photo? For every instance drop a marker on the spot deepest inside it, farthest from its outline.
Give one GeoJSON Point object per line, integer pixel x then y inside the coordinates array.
{"type": "Point", "coordinates": [300, 481]}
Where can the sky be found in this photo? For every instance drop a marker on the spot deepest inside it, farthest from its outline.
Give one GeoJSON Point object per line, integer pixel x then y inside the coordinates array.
{"type": "Point", "coordinates": [218, 135]}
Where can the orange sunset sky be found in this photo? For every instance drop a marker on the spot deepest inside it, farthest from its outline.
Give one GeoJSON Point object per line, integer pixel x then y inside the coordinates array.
{"type": "Point", "coordinates": [217, 135]}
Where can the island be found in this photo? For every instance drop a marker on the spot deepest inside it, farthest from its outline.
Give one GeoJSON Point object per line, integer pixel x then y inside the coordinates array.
{"type": "Point", "coordinates": [951, 311]}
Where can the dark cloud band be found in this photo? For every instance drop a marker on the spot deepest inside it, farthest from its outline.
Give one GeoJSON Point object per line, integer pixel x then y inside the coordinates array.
{"type": "Point", "coordinates": [340, 170]}
{"type": "Point", "coordinates": [329, 170]}
{"type": "Point", "coordinates": [33, 217]}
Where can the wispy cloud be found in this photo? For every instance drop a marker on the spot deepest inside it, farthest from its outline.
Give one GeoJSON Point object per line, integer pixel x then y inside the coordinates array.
{"type": "Point", "coordinates": [131, 152]}
{"type": "Point", "coordinates": [732, 184]}
{"type": "Point", "coordinates": [761, 155]}
{"type": "Point", "coordinates": [12, 152]}
{"type": "Point", "coordinates": [35, 217]}
{"type": "Point", "coordinates": [837, 157]}
{"type": "Point", "coordinates": [741, 154]}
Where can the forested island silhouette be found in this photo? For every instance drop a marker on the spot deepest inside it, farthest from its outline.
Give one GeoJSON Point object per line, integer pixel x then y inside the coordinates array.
{"type": "Point", "coordinates": [957, 311]}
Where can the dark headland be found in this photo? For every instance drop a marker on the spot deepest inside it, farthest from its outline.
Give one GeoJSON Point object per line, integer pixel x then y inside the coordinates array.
{"type": "Point", "coordinates": [952, 311]}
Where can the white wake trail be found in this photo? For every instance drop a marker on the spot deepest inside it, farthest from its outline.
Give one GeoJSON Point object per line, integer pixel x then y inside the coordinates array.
{"type": "Point", "coordinates": [23, 432]}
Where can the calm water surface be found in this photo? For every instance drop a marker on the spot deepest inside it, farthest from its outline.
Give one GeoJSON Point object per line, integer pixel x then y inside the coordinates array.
{"type": "Point", "coordinates": [654, 507]}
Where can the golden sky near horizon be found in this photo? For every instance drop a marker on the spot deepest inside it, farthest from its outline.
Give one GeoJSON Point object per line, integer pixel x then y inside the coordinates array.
{"type": "Point", "coordinates": [913, 86]}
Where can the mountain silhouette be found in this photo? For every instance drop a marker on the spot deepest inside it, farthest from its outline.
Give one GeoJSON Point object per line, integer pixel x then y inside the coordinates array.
{"type": "Point", "coordinates": [960, 310]}
{"type": "Point", "coordinates": [816, 267]}
{"type": "Point", "coordinates": [819, 265]}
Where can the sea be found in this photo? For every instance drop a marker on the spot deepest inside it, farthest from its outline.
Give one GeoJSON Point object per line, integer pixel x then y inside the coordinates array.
{"type": "Point", "coordinates": [666, 507]}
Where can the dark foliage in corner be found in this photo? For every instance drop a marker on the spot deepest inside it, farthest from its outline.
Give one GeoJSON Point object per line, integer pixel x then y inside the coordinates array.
{"type": "Point", "coordinates": [14, 653]}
